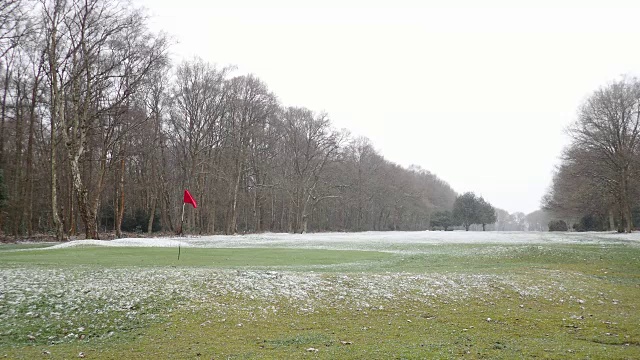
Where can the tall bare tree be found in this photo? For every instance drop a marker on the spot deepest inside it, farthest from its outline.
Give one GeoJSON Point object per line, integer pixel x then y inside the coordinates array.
{"type": "Point", "coordinates": [199, 104]}
{"type": "Point", "coordinates": [15, 23]}
{"type": "Point", "coordinates": [309, 145]}
{"type": "Point", "coordinates": [607, 136]}
{"type": "Point", "coordinates": [250, 106]}
{"type": "Point", "coordinates": [102, 52]}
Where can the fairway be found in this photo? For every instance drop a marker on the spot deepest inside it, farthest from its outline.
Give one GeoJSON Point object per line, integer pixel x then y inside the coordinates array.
{"type": "Point", "coordinates": [364, 295]}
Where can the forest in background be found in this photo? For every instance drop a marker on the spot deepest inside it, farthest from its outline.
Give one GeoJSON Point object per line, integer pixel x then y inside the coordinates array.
{"type": "Point", "coordinates": [100, 132]}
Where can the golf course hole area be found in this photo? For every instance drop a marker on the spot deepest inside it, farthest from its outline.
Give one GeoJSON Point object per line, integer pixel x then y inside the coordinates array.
{"type": "Point", "coordinates": [198, 257]}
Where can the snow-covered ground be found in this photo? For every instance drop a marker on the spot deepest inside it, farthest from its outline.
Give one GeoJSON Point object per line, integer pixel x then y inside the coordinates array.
{"type": "Point", "coordinates": [66, 303]}
{"type": "Point", "coordinates": [377, 241]}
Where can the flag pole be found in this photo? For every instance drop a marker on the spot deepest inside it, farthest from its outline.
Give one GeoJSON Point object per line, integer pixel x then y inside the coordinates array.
{"type": "Point", "coordinates": [181, 228]}
{"type": "Point", "coordinates": [187, 199]}
{"type": "Point", "coordinates": [182, 220]}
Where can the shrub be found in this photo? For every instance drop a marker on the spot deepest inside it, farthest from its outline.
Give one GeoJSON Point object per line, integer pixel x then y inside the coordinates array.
{"type": "Point", "coordinates": [591, 223]}
{"type": "Point", "coordinates": [558, 225]}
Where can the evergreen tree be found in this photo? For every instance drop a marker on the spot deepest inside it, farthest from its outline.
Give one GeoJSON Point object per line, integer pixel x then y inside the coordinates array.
{"type": "Point", "coordinates": [487, 213]}
{"type": "Point", "coordinates": [442, 219]}
{"type": "Point", "coordinates": [466, 210]}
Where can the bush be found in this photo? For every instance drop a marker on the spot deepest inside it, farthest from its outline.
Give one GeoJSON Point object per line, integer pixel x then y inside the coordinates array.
{"type": "Point", "coordinates": [558, 225]}
{"type": "Point", "coordinates": [635, 216]}
{"type": "Point", "coordinates": [442, 220]}
{"type": "Point", "coordinates": [591, 223]}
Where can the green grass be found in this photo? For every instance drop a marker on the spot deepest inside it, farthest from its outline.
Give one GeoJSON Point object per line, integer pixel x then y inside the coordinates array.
{"type": "Point", "coordinates": [439, 331]}
{"type": "Point", "coordinates": [622, 259]}
{"type": "Point", "coordinates": [550, 301]}
{"type": "Point", "coordinates": [192, 257]}
{"type": "Point", "coordinates": [22, 246]}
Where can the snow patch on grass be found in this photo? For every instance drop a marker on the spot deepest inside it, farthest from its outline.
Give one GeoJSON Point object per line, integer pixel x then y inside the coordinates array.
{"type": "Point", "coordinates": [48, 305]}
{"type": "Point", "coordinates": [392, 241]}
{"type": "Point", "coordinates": [128, 242]}
{"type": "Point", "coordinates": [54, 305]}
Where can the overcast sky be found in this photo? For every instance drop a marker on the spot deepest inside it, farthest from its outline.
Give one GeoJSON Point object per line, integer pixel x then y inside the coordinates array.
{"type": "Point", "coordinates": [480, 95]}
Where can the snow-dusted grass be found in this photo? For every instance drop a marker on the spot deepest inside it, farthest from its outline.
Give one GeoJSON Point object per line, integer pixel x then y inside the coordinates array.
{"type": "Point", "coordinates": [374, 241]}
{"type": "Point", "coordinates": [56, 305]}
{"type": "Point", "coordinates": [426, 294]}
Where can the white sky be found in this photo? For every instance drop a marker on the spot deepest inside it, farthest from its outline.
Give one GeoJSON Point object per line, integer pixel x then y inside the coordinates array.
{"type": "Point", "coordinates": [478, 94]}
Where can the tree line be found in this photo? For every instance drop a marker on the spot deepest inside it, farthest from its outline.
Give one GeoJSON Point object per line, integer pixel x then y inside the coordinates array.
{"type": "Point", "coordinates": [468, 209]}
{"type": "Point", "coordinates": [597, 184]}
{"type": "Point", "coordinates": [100, 132]}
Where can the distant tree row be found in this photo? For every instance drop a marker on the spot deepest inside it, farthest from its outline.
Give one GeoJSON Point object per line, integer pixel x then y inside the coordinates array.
{"type": "Point", "coordinates": [468, 209]}
{"type": "Point", "coordinates": [99, 132]}
{"type": "Point", "coordinates": [538, 220]}
{"type": "Point", "coordinates": [598, 181]}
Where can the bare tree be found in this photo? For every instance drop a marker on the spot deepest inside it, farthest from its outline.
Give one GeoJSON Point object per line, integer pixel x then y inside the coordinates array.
{"type": "Point", "coordinates": [199, 104]}
{"type": "Point", "coordinates": [309, 145]}
{"type": "Point", "coordinates": [250, 106]}
{"type": "Point", "coordinates": [101, 51]}
{"type": "Point", "coordinates": [15, 23]}
{"type": "Point", "coordinates": [580, 187]}
{"type": "Point", "coordinates": [86, 94]}
{"type": "Point", "coordinates": [607, 132]}
{"type": "Point", "coordinates": [367, 165]}
{"type": "Point", "coordinates": [53, 14]}
{"type": "Point", "coordinates": [155, 100]}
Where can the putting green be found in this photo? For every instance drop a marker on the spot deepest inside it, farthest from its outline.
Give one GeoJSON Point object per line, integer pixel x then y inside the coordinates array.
{"type": "Point", "coordinates": [200, 257]}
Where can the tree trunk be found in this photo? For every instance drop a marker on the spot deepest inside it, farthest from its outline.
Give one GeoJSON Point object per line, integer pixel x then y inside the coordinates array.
{"type": "Point", "coordinates": [86, 212]}
{"type": "Point", "coordinates": [290, 217]}
{"type": "Point", "coordinates": [57, 117]}
{"type": "Point", "coordinates": [57, 224]}
{"type": "Point", "coordinates": [257, 212]}
{"type": "Point", "coordinates": [4, 112]}
{"type": "Point", "coordinates": [304, 216]}
{"type": "Point", "coordinates": [89, 220]}
{"type": "Point", "coordinates": [93, 222]}
{"type": "Point", "coordinates": [612, 223]}
{"type": "Point", "coordinates": [120, 200]}
{"type": "Point", "coordinates": [54, 191]}
{"type": "Point", "coordinates": [620, 219]}
{"type": "Point", "coordinates": [233, 216]}
{"type": "Point", "coordinates": [213, 216]}
{"type": "Point", "coordinates": [304, 223]}
{"type": "Point", "coordinates": [629, 222]}
{"type": "Point", "coordinates": [28, 209]}
{"type": "Point", "coordinates": [71, 209]}
{"type": "Point", "coordinates": [154, 180]}
{"type": "Point", "coordinates": [16, 212]}
{"type": "Point", "coordinates": [152, 214]}
{"type": "Point", "coordinates": [624, 203]}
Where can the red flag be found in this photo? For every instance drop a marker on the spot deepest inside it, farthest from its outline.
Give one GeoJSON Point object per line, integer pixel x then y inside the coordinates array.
{"type": "Point", "coordinates": [188, 199]}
